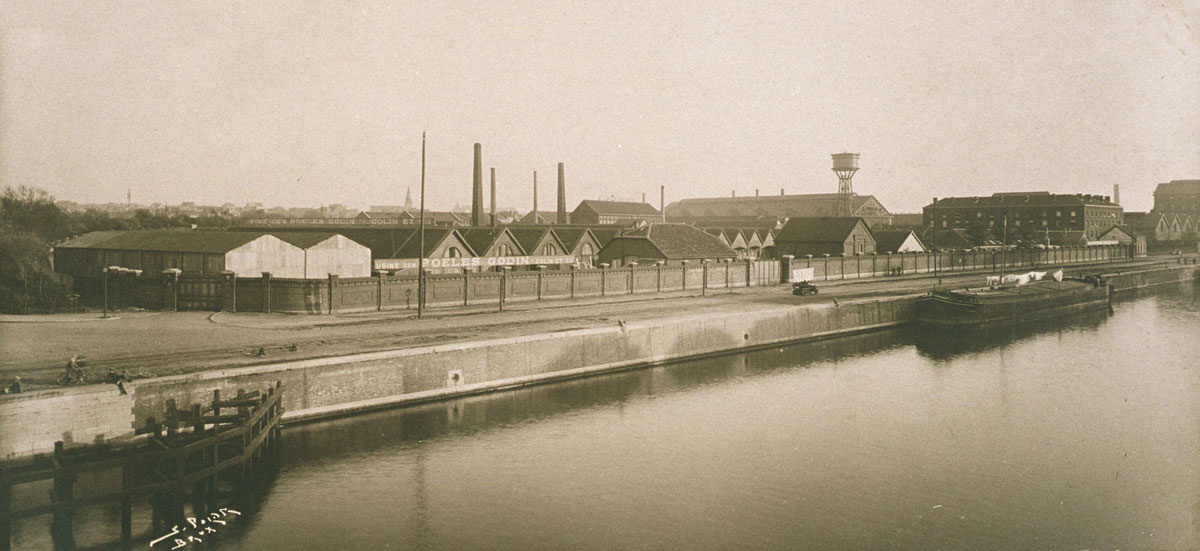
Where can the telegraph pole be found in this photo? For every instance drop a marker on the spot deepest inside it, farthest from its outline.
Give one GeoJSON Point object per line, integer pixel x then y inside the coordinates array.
{"type": "Point", "coordinates": [421, 244]}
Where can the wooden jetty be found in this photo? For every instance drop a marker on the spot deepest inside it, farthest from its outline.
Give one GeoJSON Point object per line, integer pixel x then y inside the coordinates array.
{"type": "Point", "coordinates": [191, 455]}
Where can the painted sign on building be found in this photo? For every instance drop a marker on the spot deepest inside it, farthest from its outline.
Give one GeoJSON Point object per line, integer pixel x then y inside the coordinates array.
{"type": "Point", "coordinates": [473, 262]}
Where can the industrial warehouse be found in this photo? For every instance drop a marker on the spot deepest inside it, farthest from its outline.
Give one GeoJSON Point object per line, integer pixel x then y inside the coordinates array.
{"type": "Point", "coordinates": [374, 260]}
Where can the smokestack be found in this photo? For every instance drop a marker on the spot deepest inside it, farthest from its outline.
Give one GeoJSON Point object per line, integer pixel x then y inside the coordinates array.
{"type": "Point", "coordinates": [756, 192]}
{"type": "Point", "coordinates": [493, 196]}
{"type": "Point", "coordinates": [643, 197]}
{"type": "Point", "coordinates": [562, 196]}
{"type": "Point", "coordinates": [477, 188]}
{"type": "Point", "coordinates": [535, 211]}
{"type": "Point", "coordinates": [662, 202]}
{"type": "Point", "coordinates": [733, 193]}
{"type": "Point", "coordinates": [780, 191]}
{"type": "Point", "coordinates": [1117, 194]}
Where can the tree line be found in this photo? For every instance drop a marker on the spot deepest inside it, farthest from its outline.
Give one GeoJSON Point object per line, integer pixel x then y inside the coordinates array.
{"type": "Point", "coordinates": [31, 223]}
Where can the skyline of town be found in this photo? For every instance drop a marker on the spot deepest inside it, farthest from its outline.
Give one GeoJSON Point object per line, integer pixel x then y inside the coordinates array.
{"type": "Point", "coordinates": [209, 104]}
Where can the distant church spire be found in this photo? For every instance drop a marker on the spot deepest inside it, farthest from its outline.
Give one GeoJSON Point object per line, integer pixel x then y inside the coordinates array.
{"type": "Point", "coordinates": [408, 199]}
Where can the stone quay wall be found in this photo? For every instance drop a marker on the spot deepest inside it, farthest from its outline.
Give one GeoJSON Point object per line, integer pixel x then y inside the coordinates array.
{"type": "Point", "coordinates": [346, 384]}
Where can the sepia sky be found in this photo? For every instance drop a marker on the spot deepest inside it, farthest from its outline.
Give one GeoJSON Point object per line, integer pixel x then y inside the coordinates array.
{"type": "Point", "coordinates": [308, 103]}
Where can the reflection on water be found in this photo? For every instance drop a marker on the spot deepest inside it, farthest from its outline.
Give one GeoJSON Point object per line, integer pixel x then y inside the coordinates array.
{"type": "Point", "coordinates": [949, 343]}
{"type": "Point", "coordinates": [1081, 434]}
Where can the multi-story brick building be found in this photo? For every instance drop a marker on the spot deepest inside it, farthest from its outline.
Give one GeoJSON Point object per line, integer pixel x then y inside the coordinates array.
{"type": "Point", "coordinates": [1026, 216]}
{"type": "Point", "coordinates": [1178, 197]}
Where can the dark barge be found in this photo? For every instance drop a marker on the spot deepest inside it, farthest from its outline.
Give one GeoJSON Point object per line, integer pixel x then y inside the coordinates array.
{"type": "Point", "coordinates": [1010, 304]}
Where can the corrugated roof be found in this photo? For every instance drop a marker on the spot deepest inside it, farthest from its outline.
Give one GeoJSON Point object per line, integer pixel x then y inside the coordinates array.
{"type": "Point", "coordinates": [680, 241]}
{"type": "Point", "coordinates": [193, 241]}
{"type": "Point", "coordinates": [817, 230]}
{"type": "Point", "coordinates": [626, 208]}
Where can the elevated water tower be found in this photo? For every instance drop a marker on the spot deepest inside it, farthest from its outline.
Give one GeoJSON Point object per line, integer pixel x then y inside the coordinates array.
{"type": "Point", "coordinates": [845, 165]}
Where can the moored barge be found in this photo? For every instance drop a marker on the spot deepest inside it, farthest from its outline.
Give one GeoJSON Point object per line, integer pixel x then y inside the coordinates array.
{"type": "Point", "coordinates": [1007, 304]}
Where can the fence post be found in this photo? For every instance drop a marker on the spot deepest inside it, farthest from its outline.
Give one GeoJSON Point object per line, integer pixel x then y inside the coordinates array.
{"type": "Point", "coordinates": [266, 289]}
{"type": "Point", "coordinates": [728, 265]}
{"type": "Point", "coordinates": [573, 267]}
{"type": "Point", "coordinates": [785, 268]}
{"type": "Point", "coordinates": [333, 285]}
{"type": "Point", "coordinates": [603, 277]}
{"type": "Point", "coordinates": [704, 278]}
{"type": "Point", "coordinates": [684, 264]}
{"type": "Point", "coordinates": [231, 278]}
{"type": "Point", "coordinates": [466, 284]}
{"type": "Point", "coordinates": [658, 266]}
{"type": "Point", "coordinates": [503, 284]}
{"type": "Point", "coordinates": [632, 267]}
{"type": "Point", "coordinates": [539, 267]}
{"type": "Point", "coordinates": [379, 274]}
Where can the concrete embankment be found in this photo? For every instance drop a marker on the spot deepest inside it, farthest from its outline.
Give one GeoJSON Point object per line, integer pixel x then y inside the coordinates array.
{"type": "Point", "coordinates": [1141, 279]}
{"type": "Point", "coordinates": [339, 385]}
{"type": "Point", "coordinates": [316, 388]}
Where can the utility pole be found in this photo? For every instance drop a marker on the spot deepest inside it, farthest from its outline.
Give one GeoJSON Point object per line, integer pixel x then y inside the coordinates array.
{"type": "Point", "coordinates": [421, 244]}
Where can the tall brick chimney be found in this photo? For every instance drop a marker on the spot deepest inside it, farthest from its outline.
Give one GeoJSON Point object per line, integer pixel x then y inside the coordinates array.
{"type": "Point", "coordinates": [477, 189]}
{"type": "Point", "coordinates": [562, 196]}
{"type": "Point", "coordinates": [493, 196]}
{"type": "Point", "coordinates": [535, 210]}
{"type": "Point", "coordinates": [1116, 194]}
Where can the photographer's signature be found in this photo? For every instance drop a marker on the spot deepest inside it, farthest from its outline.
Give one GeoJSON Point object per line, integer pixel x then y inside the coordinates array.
{"type": "Point", "coordinates": [202, 526]}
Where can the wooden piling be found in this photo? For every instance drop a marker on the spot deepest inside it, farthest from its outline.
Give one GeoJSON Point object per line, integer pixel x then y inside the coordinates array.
{"type": "Point", "coordinates": [5, 519]}
{"type": "Point", "coordinates": [126, 504]}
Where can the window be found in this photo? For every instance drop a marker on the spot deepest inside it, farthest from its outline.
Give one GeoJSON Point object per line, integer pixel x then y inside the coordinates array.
{"type": "Point", "coordinates": [1058, 213]}
{"type": "Point", "coordinates": [504, 250]}
{"type": "Point", "coordinates": [549, 250]}
{"type": "Point", "coordinates": [452, 252]}
{"type": "Point", "coordinates": [586, 250]}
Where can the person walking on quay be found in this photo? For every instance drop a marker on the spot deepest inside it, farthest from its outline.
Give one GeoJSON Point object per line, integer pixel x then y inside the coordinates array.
{"type": "Point", "coordinates": [15, 387]}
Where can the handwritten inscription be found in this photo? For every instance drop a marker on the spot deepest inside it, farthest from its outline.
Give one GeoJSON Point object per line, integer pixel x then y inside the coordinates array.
{"type": "Point", "coordinates": [195, 528]}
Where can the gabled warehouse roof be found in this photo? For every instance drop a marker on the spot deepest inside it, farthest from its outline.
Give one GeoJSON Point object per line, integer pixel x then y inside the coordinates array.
{"type": "Point", "coordinates": [188, 241]}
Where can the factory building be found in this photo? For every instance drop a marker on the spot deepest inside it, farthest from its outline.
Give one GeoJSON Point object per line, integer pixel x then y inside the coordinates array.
{"type": "Point", "coordinates": [669, 243]}
{"type": "Point", "coordinates": [590, 211]}
{"type": "Point", "coordinates": [821, 236]}
{"type": "Point", "coordinates": [1023, 217]}
{"type": "Point", "coordinates": [248, 254]}
{"type": "Point", "coordinates": [757, 210]}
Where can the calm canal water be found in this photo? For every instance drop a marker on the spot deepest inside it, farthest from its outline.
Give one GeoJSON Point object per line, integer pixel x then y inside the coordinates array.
{"type": "Point", "coordinates": [1084, 434]}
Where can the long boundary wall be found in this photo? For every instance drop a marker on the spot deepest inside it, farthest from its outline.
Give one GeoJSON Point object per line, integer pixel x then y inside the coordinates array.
{"type": "Point", "coordinates": [399, 292]}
